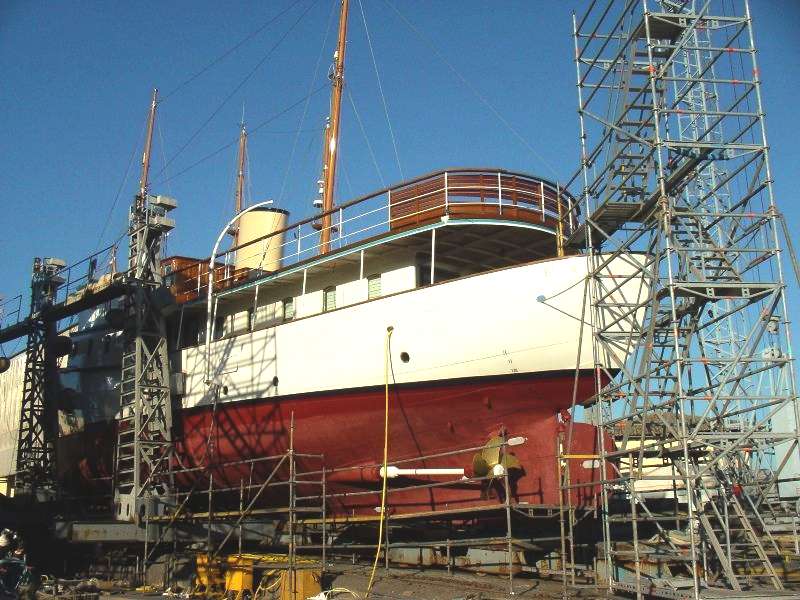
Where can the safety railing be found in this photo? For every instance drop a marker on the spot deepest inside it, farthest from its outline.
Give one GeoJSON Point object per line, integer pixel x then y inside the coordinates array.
{"type": "Point", "coordinates": [455, 194]}
{"type": "Point", "coordinates": [10, 311]}
{"type": "Point", "coordinates": [87, 275]}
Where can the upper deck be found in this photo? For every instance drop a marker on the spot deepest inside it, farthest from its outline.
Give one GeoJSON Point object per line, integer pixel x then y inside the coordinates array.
{"type": "Point", "coordinates": [512, 218]}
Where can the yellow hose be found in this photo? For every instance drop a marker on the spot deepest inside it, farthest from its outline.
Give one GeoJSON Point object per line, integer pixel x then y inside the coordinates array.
{"type": "Point", "coordinates": [387, 361]}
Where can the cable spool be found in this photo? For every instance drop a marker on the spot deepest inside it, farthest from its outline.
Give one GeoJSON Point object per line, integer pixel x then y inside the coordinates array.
{"type": "Point", "coordinates": [5, 364]}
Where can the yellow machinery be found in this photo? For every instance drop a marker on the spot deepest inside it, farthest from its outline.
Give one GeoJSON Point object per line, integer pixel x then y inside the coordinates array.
{"type": "Point", "coordinates": [209, 580]}
{"type": "Point", "coordinates": [275, 581]}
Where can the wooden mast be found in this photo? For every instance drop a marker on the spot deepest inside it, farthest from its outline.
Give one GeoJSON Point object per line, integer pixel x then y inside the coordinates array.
{"type": "Point", "coordinates": [148, 144]}
{"type": "Point", "coordinates": [240, 165]}
{"type": "Point", "coordinates": [330, 151]}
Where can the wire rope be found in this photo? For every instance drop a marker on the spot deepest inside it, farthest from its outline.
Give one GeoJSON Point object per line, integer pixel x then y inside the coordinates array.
{"type": "Point", "coordinates": [229, 51]}
{"type": "Point", "coordinates": [473, 89]}
{"type": "Point", "coordinates": [366, 138]}
{"type": "Point", "coordinates": [380, 89]}
{"type": "Point", "coordinates": [119, 192]}
{"type": "Point", "coordinates": [305, 108]}
{"type": "Point", "coordinates": [238, 87]}
{"type": "Point", "coordinates": [236, 140]}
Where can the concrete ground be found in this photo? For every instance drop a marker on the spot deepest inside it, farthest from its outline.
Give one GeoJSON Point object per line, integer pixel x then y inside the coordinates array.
{"type": "Point", "coordinates": [437, 584]}
{"type": "Point", "coordinates": [417, 584]}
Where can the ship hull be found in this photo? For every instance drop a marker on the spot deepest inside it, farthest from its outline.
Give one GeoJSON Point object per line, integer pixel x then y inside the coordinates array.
{"type": "Point", "coordinates": [431, 425]}
{"type": "Point", "coordinates": [425, 420]}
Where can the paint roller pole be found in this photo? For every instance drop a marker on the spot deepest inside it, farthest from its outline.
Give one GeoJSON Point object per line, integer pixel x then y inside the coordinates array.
{"type": "Point", "coordinates": [211, 260]}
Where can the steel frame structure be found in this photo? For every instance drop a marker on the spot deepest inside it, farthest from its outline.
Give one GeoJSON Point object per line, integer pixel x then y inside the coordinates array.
{"type": "Point", "coordinates": [144, 434]}
{"type": "Point", "coordinates": [38, 425]}
{"type": "Point", "coordinates": [701, 399]}
{"type": "Point", "coordinates": [143, 462]}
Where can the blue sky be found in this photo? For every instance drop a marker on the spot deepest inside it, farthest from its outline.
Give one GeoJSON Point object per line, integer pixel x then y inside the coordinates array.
{"type": "Point", "coordinates": [77, 77]}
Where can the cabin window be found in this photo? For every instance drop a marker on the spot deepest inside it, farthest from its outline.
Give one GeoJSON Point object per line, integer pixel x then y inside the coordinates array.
{"type": "Point", "coordinates": [288, 309]}
{"type": "Point", "coordinates": [219, 328]}
{"type": "Point", "coordinates": [329, 299]}
{"type": "Point", "coordinates": [373, 286]}
{"type": "Point", "coordinates": [169, 278]}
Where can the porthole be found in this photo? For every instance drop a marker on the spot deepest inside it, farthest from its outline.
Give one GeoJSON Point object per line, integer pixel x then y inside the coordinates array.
{"type": "Point", "coordinates": [405, 357]}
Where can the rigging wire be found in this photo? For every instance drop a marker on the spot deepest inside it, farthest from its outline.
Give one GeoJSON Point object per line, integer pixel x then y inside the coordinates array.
{"type": "Point", "coordinates": [473, 89]}
{"type": "Point", "coordinates": [366, 138]}
{"type": "Point", "coordinates": [250, 133]}
{"type": "Point", "coordinates": [119, 191]}
{"type": "Point", "coordinates": [305, 108]}
{"type": "Point", "coordinates": [380, 89]}
{"type": "Point", "coordinates": [238, 87]}
{"type": "Point", "coordinates": [163, 154]}
{"type": "Point", "coordinates": [230, 51]}
{"type": "Point", "coordinates": [169, 185]}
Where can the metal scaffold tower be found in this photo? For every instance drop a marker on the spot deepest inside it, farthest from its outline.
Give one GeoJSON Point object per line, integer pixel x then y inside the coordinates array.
{"type": "Point", "coordinates": [696, 404]}
{"type": "Point", "coordinates": [144, 427]}
{"type": "Point", "coordinates": [36, 459]}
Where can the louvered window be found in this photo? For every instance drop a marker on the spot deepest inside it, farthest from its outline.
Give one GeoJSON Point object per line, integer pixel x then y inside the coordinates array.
{"type": "Point", "coordinates": [288, 309]}
{"type": "Point", "coordinates": [373, 286]}
{"type": "Point", "coordinates": [329, 299]}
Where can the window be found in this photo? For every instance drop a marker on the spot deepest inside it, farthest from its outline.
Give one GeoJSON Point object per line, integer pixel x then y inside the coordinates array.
{"type": "Point", "coordinates": [288, 309]}
{"type": "Point", "coordinates": [329, 299]}
{"type": "Point", "coordinates": [373, 286]}
{"type": "Point", "coordinates": [169, 278]}
{"type": "Point", "coordinates": [218, 329]}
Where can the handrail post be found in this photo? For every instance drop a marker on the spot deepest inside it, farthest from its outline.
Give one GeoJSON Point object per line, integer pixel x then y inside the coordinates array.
{"type": "Point", "coordinates": [560, 226]}
{"type": "Point", "coordinates": [499, 193]}
{"type": "Point", "coordinates": [541, 194]}
{"type": "Point", "coordinates": [446, 209]}
{"type": "Point", "coordinates": [433, 254]}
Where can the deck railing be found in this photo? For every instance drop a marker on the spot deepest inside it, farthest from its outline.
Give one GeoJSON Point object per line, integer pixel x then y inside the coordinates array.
{"type": "Point", "coordinates": [472, 193]}
{"type": "Point", "coordinates": [458, 194]}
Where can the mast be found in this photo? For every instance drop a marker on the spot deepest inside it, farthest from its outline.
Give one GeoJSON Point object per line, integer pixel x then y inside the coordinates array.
{"type": "Point", "coordinates": [148, 144]}
{"type": "Point", "coordinates": [239, 197]}
{"type": "Point", "coordinates": [332, 131]}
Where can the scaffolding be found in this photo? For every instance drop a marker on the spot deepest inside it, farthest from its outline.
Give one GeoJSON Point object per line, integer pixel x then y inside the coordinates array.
{"type": "Point", "coordinates": [697, 408]}
{"type": "Point", "coordinates": [274, 497]}
{"type": "Point", "coordinates": [289, 503]}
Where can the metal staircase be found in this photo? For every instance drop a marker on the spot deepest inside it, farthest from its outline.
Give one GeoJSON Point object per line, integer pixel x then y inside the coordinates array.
{"type": "Point", "coordinates": [676, 186]}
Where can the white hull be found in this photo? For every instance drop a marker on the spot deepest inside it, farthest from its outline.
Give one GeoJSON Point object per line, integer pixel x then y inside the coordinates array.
{"type": "Point", "coordinates": [523, 319]}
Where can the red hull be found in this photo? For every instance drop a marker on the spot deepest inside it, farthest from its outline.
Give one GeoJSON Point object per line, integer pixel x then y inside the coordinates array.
{"type": "Point", "coordinates": [424, 419]}
{"type": "Point", "coordinates": [347, 428]}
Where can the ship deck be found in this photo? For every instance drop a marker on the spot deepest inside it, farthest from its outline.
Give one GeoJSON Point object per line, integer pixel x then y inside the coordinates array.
{"type": "Point", "coordinates": [470, 220]}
